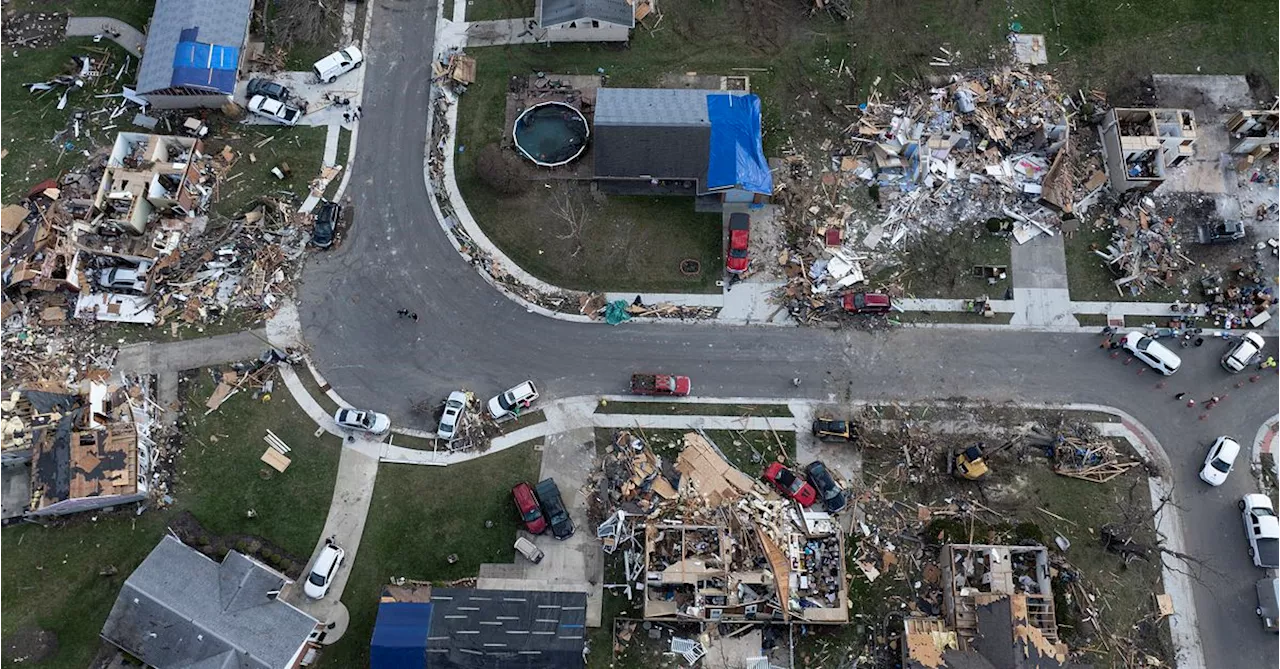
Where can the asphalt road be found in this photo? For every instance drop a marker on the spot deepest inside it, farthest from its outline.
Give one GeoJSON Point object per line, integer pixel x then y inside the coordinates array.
{"type": "Point", "coordinates": [470, 336]}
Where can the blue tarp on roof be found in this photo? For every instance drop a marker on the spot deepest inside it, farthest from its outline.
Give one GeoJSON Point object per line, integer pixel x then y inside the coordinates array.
{"type": "Point", "coordinates": [204, 65]}
{"type": "Point", "coordinates": [736, 158]}
{"type": "Point", "coordinates": [400, 636]}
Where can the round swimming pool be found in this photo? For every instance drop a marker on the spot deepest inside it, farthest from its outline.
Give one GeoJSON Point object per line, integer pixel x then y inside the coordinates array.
{"type": "Point", "coordinates": [551, 133]}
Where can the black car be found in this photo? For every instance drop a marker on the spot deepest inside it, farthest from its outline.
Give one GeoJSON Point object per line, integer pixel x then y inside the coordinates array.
{"type": "Point", "coordinates": [820, 478]}
{"type": "Point", "coordinates": [1222, 232]}
{"type": "Point", "coordinates": [268, 88]}
{"type": "Point", "coordinates": [327, 216]}
{"type": "Point", "coordinates": [553, 509]}
{"type": "Point", "coordinates": [833, 430]}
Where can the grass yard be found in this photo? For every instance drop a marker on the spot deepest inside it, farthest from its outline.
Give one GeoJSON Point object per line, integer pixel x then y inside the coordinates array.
{"type": "Point", "coordinates": [740, 448]}
{"type": "Point", "coordinates": [951, 317]}
{"type": "Point", "coordinates": [120, 334]}
{"type": "Point", "coordinates": [32, 121]}
{"type": "Point", "coordinates": [686, 409]}
{"type": "Point", "coordinates": [488, 10]}
{"type": "Point", "coordinates": [1089, 278]}
{"type": "Point", "coordinates": [940, 265]}
{"type": "Point", "coordinates": [302, 147]}
{"type": "Point", "coordinates": [419, 515]}
{"type": "Point", "coordinates": [51, 578]}
{"type": "Point", "coordinates": [136, 13]}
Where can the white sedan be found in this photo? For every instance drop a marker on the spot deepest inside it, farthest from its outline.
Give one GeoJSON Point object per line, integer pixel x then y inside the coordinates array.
{"type": "Point", "coordinates": [452, 418]}
{"type": "Point", "coordinates": [275, 110]}
{"type": "Point", "coordinates": [1220, 459]}
{"type": "Point", "coordinates": [365, 421]}
{"type": "Point", "coordinates": [321, 576]}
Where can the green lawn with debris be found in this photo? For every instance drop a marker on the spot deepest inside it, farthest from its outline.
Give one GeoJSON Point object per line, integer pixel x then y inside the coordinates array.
{"type": "Point", "coordinates": [65, 577]}
{"type": "Point", "coordinates": [488, 10]}
{"type": "Point", "coordinates": [418, 517]}
{"type": "Point", "coordinates": [260, 148]}
{"type": "Point", "coordinates": [695, 409]}
{"type": "Point", "coordinates": [136, 13]}
{"type": "Point", "coordinates": [747, 450]}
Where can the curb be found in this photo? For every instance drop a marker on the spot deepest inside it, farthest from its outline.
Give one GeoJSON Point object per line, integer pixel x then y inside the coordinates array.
{"type": "Point", "coordinates": [1264, 442]}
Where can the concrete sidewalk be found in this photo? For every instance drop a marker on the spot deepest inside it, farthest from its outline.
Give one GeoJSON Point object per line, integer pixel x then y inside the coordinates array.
{"type": "Point", "coordinates": [131, 39]}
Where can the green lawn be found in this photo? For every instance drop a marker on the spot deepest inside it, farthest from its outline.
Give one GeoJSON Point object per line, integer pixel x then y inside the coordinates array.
{"type": "Point", "coordinates": [301, 147]}
{"type": "Point", "coordinates": [1090, 279]}
{"type": "Point", "coordinates": [487, 10]}
{"type": "Point", "coordinates": [51, 575]}
{"type": "Point", "coordinates": [136, 13]}
{"type": "Point", "coordinates": [418, 516]}
{"type": "Point", "coordinates": [685, 409]}
{"type": "Point", "coordinates": [745, 450]}
{"type": "Point", "coordinates": [32, 120]}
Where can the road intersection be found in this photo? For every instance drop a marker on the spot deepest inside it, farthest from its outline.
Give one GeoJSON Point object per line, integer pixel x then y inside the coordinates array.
{"type": "Point", "coordinates": [397, 256]}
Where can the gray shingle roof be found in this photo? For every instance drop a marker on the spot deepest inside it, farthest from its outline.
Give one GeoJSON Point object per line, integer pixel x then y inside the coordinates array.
{"type": "Point", "coordinates": [506, 628]}
{"type": "Point", "coordinates": [652, 106]}
{"type": "Point", "coordinates": [556, 12]}
{"type": "Point", "coordinates": [181, 609]}
{"type": "Point", "coordinates": [222, 22]}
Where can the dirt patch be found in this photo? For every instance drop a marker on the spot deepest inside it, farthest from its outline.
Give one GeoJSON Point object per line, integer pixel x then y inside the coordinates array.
{"type": "Point", "coordinates": [192, 533]}
{"type": "Point", "coordinates": [29, 645]}
{"type": "Point", "coordinates": [33, 30]}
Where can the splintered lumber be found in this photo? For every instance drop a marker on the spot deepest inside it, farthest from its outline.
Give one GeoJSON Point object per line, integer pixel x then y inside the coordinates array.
{"type": "Point", "coordinates": [1098, 473]}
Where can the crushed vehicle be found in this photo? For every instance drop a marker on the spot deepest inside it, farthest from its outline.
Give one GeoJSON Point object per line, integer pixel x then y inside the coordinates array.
{"type": "Point", "coordinates": [660, 384]}
{"type": "Point", "coordinates": [1220, 232]}
{"type": "Point", "coordinates": [123, 278]}
{"type": "Point", "coordinates": [833, 499]}
{"type": "Point", "coordinates": [554, 509]}
{"type": "Point", "coordinates": [789, 485]}
{"type": "Point", "coordinates": [1262, 529]}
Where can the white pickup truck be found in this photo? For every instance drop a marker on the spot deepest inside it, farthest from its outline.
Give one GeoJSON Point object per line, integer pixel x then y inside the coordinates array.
{"type": "Point", "coordinates": [1263, 530]}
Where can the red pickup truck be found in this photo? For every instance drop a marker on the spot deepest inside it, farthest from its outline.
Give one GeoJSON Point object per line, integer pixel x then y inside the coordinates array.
{"type": "Point", "coordinates": [660, 384]}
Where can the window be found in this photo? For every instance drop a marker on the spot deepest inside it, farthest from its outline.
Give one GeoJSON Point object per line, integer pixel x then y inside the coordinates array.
{"type": "Point", "coordinates": [595, 24]}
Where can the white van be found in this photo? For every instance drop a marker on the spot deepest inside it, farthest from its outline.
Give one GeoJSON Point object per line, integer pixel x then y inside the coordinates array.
{"type": "Point", "coordinates": [1243, 353]}
{"type": "Point", "coordinates": [338, 63]}
{"type": "Point", "coordinates": [1152, 352]}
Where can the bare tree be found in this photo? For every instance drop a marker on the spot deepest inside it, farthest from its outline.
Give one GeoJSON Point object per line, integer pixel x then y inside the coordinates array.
{"type": "Point", "coordinates": [570, 208]}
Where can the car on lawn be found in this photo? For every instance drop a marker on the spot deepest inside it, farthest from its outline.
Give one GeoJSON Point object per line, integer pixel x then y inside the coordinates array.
{"type": "Point", "coordinates": [833, 430]}
{"type": "Point", "coordinates": [269, 88]}
{"type": "Point", "coordinates": [824, 482]}
{"type": "Point", "coordinates": [1243, 353]}
{"type": "Point", "coordinates": [789, 485]}
{"type": "Point", "coordinates": [867, 303]}
{"type": "Point", "coordinates": [529, 508]}
{"type": "Point", "coordinates": [321, 577]}
{"type": "Point", "coordinates": [737, 261]}
{"type": "Point", "coordinates": [1219, 461]}
{"type": "Point", "coordinates": [553, 509]}
{"type": "Point", "coordinates": [1262, 529]}
{"type": "Point", "coordinates": [363, 421]}
{"type": "Point", "coordinates": [1147, 349]}
{"type": "Point", "coordinates": [454, 407]}
{"type": "Point", "coordinates": [275, 110]}
{"type": "Point", "coordinates": [336, 64]}
{"type": "Point", "coordinates": [512, 402]}
{"type": "Point", "coordinates": [327, 215]}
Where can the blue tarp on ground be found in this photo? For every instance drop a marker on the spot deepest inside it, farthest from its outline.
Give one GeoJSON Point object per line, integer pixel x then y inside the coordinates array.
{"type": "Point", "coordinates": [400, 636]}
{"type": "Point", "coordinates": [736, 158]}
{"type": "Point", "coordinates": [204, 65]}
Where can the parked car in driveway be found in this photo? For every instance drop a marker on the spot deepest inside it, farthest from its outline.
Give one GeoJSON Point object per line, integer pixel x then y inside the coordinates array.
{"type": "Point", "coordinates": [1152, 352]}
{"type": "Point", "coordinates": [364, 421]}
{"type": "Point", "coordinates": [739, 241]}
{"type": "Point", "coordinates": [1243, 353]}
{"type": "Point", "coordinates": [789, 485]}
{"type": "Point", "coordinates": [275, 110]}
{"type": "Point", "coordinates": [829, 491]}
{"type": "Point", "coordinates": [454, 407]}
{"type": "Point", "coordinates": [327, 215]}
{"type": "Point", "coordinates": [336, 64]}
{"type": "Point", "coordinates": [530, 510]}
{"type": "Point", "coordinates": [553, 509]}
{"type": "Point", "coordinates": [1262, 529]}
{"type": "Point", "coordinates": [1218, 462]}
{"type": "Point", "coordinates": [269, 88]}
{"type": "Point", "coordinates": [867, 303]}
{"type": "Point", "coordinates": [321, 576]}
{"type": "Point", "coordinates": [833, 430]}
{"type": "Point", "coordinates": [513, 401]}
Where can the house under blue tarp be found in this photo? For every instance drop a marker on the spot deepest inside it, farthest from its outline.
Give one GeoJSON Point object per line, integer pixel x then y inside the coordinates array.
{"type": "Point", "coordinates": [736, 157]}
{"type": "Point", "coordinates": [204, 65]}
{"type": "Point", "coordinates": [400, 635]}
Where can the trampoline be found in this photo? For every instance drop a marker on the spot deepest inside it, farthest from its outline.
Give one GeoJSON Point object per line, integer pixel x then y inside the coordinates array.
{"type": "Point", "coordinates": [551, 134]}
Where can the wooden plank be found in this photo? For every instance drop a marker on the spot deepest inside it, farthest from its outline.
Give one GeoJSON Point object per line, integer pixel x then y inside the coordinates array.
{"type": "Point", "coordinates": [277, 460]}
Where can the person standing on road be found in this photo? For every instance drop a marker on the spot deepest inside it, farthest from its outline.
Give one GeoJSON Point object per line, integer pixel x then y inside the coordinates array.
{"type": "Point", "coordinates": [402, 312]}
{"type": "Point", "coordinates": [1179, 396]}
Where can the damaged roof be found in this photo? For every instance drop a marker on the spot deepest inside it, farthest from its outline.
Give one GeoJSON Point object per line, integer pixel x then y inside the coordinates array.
{"type": "Point", "coordinates": [556, 12]}
{"type": "Point", "coordinates": [182, 609]}
{"type": "Point", "coordinates": [471, 628]}
{"type": "Point", "coordinates": [194, 43]}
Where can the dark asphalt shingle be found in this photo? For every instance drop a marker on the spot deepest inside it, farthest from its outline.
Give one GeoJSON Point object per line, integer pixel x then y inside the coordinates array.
{"type": "Point", "coordinates": [220, 22]}
{"type": "Point", "coordinates": [556, 12]}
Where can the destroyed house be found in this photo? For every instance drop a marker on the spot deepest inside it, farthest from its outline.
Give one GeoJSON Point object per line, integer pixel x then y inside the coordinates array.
{"type": "Point", "coordinates": [585, 20]}
{"type": "Point", "coordinates": [179, 608]}
{"type": "Point", "coordinates": [41, 258]}
{"type": "Point", "coordinates": [83, 452]}
{"type": "Point", "coordinates": [659, 141]}
{"type": "Point", "coordinates": [735, 554]}
{"type": "Point", "coordinates": [462, 628]}
{"type": "Point", "coordinates": [193, 53]}
{"type": "Point", "coordinates": [1140, 146]}
{"type": "Point", "coordinates": [148, 175]}
{"type": "Point", "coordinates": [998, 613]}
{"type": "Point", "coordinates": [1254, 132]}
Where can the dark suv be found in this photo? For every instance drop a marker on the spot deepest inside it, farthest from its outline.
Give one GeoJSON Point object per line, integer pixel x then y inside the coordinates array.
{"type": "Point", "coordinates": [327, 216]}
{"type": "Point", "coordinates": [553, 509]}
{"type": "Point", "coordinates": [268, 88]}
